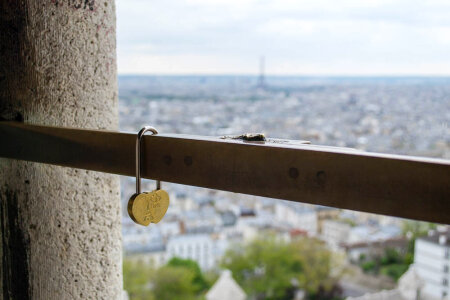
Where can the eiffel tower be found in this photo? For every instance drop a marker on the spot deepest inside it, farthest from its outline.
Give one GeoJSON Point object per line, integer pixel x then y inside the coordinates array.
{"type": "Point", "coordinates": [261, 78]}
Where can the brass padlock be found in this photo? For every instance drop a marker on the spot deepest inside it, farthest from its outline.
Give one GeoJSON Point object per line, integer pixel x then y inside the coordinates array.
{"type": "Point", "coordinates": [148, 207]}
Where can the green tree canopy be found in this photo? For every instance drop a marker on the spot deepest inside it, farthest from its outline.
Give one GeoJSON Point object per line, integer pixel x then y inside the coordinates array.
{"type": "Point", "coordinates": [136, 280]}
{"type": "Point", "coordinates": [270, 268]}
{"type": "Point", "coordinates": [416, 229]}
{"type": "Point", "coordinates": [179, 279]}
{"type": "Point", "coordinates": [173, 283]}
{"type": "Point", "coordinates": [199, 282]}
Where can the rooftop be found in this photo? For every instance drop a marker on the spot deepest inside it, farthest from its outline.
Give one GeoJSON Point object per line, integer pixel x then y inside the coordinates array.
{"type": "Point", "coordinates": [440, 236]}
{"type": "Point", "coordinates": [226, 288]}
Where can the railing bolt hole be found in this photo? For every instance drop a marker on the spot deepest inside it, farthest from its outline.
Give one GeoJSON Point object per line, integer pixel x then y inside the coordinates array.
{"type": "Point", "coordinates": [293, 173]}
{"type": "Point", "coordinates": [188, 160]}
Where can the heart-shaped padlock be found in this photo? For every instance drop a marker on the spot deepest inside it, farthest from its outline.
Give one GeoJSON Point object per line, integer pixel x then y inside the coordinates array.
{"type": "Point", "coordinates": [148, 207]}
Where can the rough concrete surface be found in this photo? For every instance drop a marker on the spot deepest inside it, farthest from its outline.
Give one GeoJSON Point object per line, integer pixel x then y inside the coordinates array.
{"type": "Point", "coordinates": [60, 229]}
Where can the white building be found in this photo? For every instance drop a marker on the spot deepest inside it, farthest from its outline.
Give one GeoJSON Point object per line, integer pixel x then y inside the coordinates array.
{"type": "Point", "coordinates": [202, 248]}
{"type": "Point", "coordinates": [155, 257]}
{"type": "Point", "coordinates": [432, 260]}
{"type": "Point", "coordinates": [138, 239]}
{"type": "Point", "coordinates": [335, 232]}
{"type": "Point", "coordinates": [205, 220]}
{"type": "Point", "coordinates": [297, 216]}
{"type": "Point", "coordinates": [373, 233]}
{"type": "Point", "coordinates": [181, 202]}
{"type": "Point", "coordinates": [338, 233]}
{"type": "Point", "coordinates": [169, 228]}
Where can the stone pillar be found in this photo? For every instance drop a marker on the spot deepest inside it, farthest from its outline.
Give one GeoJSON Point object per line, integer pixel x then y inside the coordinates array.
{"type": "Point", "coordinates": [60, 227]}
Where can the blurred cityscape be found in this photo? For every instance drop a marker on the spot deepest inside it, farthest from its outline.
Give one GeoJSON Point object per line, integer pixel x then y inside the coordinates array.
{"type": "Point", "coordinates": [368, 256]}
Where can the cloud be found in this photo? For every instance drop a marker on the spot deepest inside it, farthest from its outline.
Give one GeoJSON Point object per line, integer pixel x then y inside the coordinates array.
{"type": "Point", "coordinates": [296, 37]}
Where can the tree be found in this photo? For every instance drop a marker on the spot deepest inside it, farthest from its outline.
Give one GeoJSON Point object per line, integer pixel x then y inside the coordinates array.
{"type": "Point", "coordinates": [392, 263]}
{"type": "Point", "coordinates": [270, 268]}
{"type": "Point", "coordinates": [136, 280]}
{"type": "Point", "coordinates": [316, 261]}
{"type": "Point", "coordinates": [174, 283]}
{"type": "Point", "coordinates": [414, 229]}
{"type": "Point", "coordinates": [199, 282]}
{"type": "Point", "coordinates": [179, 279]}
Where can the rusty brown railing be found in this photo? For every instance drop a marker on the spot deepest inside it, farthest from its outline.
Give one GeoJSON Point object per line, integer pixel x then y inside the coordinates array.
{"type": "Point", "coordinates": [395, 185]}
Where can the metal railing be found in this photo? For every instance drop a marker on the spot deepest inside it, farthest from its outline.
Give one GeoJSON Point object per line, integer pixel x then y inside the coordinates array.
{"type": "Point", "coordinates": [403, 186]}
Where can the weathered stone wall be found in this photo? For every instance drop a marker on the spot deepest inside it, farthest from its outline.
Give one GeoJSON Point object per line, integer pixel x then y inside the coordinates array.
{"type": "Point", "coordinates": [60, 227]}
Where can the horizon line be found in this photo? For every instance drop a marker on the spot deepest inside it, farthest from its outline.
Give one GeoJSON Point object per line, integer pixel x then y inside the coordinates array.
{"type": "Point", "coordinates": [289, 75]}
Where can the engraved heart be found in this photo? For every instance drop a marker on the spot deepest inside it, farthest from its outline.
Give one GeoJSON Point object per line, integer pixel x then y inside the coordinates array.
{"type": "Point", "coordinates": [146, 208]}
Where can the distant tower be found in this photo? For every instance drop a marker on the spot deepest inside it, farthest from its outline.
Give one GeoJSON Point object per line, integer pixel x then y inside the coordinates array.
{"type": "Point", "coordinates": [261, 79]}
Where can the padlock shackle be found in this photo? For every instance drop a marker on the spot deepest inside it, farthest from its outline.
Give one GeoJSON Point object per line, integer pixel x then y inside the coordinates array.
{"type": "Point", "coordinates": [138, 157]}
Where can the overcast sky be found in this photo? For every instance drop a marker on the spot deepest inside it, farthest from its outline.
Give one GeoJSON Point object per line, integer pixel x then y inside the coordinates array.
{"type": "Point", "coordinates": [317, 37]}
